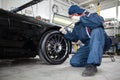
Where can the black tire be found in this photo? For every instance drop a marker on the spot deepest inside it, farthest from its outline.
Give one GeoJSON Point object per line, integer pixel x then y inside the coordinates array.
{"type": "Point", "coordinates": [54, 48]}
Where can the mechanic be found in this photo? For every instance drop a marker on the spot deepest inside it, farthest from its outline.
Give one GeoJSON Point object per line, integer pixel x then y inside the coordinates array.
{"type": "Point", "coordinates": [90, 31]}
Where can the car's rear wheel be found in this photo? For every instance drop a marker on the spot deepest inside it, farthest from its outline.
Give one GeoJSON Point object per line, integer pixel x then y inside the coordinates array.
{"type": "Point", "coordinates": [53, 47]}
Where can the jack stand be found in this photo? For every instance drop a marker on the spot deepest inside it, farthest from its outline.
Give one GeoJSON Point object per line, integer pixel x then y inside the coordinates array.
{"type": "Point", "coordinates": [110, 55]}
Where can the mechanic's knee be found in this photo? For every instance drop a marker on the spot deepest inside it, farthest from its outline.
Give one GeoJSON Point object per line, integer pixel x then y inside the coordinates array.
{"type": "Point", "coordinates": [76, 64]}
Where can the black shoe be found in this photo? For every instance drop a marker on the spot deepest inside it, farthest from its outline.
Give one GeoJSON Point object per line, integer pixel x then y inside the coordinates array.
{"type": "Point", "coordinates": [90, 70]}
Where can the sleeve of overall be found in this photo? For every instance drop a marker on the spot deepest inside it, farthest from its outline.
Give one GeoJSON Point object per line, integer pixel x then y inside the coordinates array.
{"type": "Point", "coordinates": [92, 21]}
{"type": "Point", "coordinates": [72, 35]}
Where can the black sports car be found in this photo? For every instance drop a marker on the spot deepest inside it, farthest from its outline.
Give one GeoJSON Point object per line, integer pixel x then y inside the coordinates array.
{"type": "Point", "coordinates": [23, 36]}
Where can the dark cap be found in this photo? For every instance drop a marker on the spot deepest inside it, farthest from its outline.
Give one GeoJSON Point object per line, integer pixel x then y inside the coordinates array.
{"type": "Point", "coordinates": [75, 9]}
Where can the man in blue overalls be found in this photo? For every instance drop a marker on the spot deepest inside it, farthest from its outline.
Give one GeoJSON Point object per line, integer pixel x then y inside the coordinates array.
{"type": "Point", "coordinates": [90, 31]}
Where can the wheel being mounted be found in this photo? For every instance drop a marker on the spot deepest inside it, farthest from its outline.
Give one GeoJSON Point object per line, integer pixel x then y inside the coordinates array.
{"type": "Point", "coordinates": [54, 48]}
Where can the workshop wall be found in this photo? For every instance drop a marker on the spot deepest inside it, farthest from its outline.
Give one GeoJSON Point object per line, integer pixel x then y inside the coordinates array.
{"type": "Point", "coordinates": [45, 9]}
{"type": "Point", "coordinates": [0, 3]}
{"type": "Point", "coordinates": [41, 9]}
{"type": "Point", "coordinates": [119, 13]}
{"type": "Point", "coordinates": [60, 7]}
{"type": "Point", "coordinates": [11, 4]}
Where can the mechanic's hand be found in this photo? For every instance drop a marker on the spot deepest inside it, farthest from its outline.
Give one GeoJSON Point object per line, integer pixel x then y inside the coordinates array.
{"type": "Point", "coordinates": [104, 24]}
{"type": "Point", "coordinates": [63, 31]}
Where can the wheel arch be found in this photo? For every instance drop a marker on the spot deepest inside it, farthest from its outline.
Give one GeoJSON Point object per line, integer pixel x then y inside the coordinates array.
{"type": "Point", "coordinates": [48, 29]}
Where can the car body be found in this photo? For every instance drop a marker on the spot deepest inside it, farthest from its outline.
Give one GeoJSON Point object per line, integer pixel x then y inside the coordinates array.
{"type": "Point", "coordinates": [23, 36]}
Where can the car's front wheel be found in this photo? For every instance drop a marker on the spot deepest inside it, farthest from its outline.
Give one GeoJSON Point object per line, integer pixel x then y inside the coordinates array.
{"type": "Point", "coordinates": [53, 47]}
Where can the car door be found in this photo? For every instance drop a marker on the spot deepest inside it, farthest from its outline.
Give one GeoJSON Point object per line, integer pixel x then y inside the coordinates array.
{"type": "Point", "coordinates": [4, 30]}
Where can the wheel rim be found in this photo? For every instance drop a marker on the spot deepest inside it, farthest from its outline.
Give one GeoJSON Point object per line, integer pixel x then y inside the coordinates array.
{"type": "Point", "coordinates": [56, 47]}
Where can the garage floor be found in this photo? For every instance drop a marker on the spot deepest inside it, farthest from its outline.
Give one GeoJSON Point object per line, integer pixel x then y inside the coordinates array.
{"type": "Point", "coordinates": [35, 69]}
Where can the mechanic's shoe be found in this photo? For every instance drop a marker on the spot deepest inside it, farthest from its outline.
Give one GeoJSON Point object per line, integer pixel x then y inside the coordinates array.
{"type": "Point", "coordinates": [90, 70]}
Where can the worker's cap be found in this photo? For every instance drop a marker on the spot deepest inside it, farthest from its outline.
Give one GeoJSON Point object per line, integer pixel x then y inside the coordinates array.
{"type": "Point", "coordinates": [75, 9]}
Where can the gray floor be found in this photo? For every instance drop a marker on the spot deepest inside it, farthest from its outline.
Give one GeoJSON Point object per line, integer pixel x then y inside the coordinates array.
{"type": "Point", "coordinates": [35, 69]}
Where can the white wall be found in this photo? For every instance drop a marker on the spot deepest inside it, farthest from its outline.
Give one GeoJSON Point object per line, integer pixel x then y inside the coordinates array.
{"type": "Point", "coordinates": [0, 3]}
{"type": "Point", "coordinates": [109, 13]}
{"type": "Point", "coordinates": [41, 9]}
{"type": "Point", "coordinates": [62, 7]}
{"type": "Point", "coordinates": [119, 13]}
{"type": "Point", "coordinates": [44, 8]}
{"type": "Point", "coordinates": [10, 4]}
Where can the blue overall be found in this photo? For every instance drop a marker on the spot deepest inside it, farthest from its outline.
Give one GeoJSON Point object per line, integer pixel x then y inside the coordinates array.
{"type": "Point", "coordinates": [94, 46]}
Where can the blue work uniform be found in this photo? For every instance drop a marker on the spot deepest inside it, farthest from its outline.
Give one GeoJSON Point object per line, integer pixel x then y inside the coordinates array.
{"type": "Point", "coordinates": [94, 45]}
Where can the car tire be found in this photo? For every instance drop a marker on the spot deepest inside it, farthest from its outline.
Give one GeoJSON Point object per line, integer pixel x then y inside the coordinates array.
{"type": "Point", "coordinates": [54, 48]}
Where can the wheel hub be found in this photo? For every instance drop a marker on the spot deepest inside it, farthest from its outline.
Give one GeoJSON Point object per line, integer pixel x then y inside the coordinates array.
{"type": "Point", "coordinates": [57, 47]}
